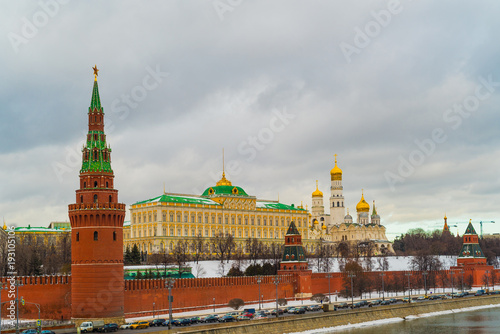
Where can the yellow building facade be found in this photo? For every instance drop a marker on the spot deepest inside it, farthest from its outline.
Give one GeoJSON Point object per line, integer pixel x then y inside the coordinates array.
{"type": "Point", "coordinates": [157, 224]}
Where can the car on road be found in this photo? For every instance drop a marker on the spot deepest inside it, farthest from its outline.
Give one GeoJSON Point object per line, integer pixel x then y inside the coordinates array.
{"type": "Point", "coordinates": [47, 332]}
{"type": "Point", "coordinates": [357, 305]}
{"type": "Point", "coordinates": [407, 300]}
{"type": "Point", "coordinates": [111, 327]}
{"type": "Point", "coordinates": [139, 325]}
{"type": "Point", "coordinates": [195, 320]}
{"type": "Point", "coordinates": [259, 316]}
{"type": "Point", "coordinates": [226, 318]}
{"type": "Point", "coordinates": [421, 298]}
{"type": "Point", "coordinates": [393, 300]}
{"type": "Point", "coordinates": [242, 318]}
{"type": "Point", "coordinates": [280, 311]}
{"type": "Point", "coordinates": [385, 302]}
{"type": "Point", "coordinates": [297, 310]}
{"type": "Point", "coordinates": [313, 308]}
{"type": "Point", "coordinates": [210, 318]}
{"type": "Point", "coordinates": [156, 322]}
{"type": "Point", "coordinates": [126, 326]}
{"type": "Point", "coordinates": [30, 331]}
{"type": "Point", "coordinates": [343, 305]}
{"type": "Point", "coordinates": [480, 293]}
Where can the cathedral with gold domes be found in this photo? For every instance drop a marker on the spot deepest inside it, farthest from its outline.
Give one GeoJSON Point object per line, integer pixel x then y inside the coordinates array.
{"type": "Point", "coordinates": [337, 226]}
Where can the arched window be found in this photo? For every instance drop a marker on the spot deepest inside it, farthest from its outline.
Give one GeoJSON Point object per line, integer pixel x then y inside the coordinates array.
{"type": "Point", "coordinates": [81, 198]}
{"type": "Point", "coordinates": [110, 199]}
{"type": "Point", "coordinates": [114, 236]}
{"type": "Point", "coordinates": [96, 235]}
{"type": "Point", "coordinates": [95, 198]}
{"type": "Point", "coordinates": [84, 184]}
{"type": "Point", "coordinates": [77, 236]}
{"type": "Point", "coordinates": [107, 184]}
{"type": "Point", "coordinates": [95, 184]}
{"type": "Point", "coordinates": [338, 204]}
{"type": "Point", "coordinates": [333, 204]}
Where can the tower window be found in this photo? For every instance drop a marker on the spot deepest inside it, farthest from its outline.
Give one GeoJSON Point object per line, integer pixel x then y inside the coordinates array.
{"type": "Point", "coordinates": [81, 199]}
{"type": "Point", "coordinates": [107, 184]}
{"type": "Point", "coordinates": [77, 236]}
{"type": "Point", "coordinates": [96, 236]}
{"type": "Point", "coordinates": [84, 185]}
{"type": "Point", "coordinates": [95, 184]}
{"type": "Point", "coordinates": [114, 236]}
{"type": "Point", "coordinates": [95, 198]}
{"type": "Point", "coordinates": [110, 199]}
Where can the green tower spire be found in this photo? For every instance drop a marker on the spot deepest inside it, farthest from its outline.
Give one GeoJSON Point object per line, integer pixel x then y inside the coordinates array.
{"type": "Point", "coordinates": [95, 103]}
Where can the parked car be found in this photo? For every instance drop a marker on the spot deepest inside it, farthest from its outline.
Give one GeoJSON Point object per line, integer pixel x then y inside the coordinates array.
{"type": "Point", "coordinates": [343, 305]}
{"type": "Point", "coordinates": [393, 300]}
{"type": "Point", "coordinates": [407, 300]}
{"type": "Point", "coordinates": [210, 318]}
{"type": "Point", "coordinates": [242, 318]}
{"type": "Point", "coordinates": [157, 322]}
{"type": "Point", "coordinates": [297, 310]}
{"type": "Point", "coordinates": [30, 331]}
{"type": "Point", "coordinates": [356, 305]}
{"type": "Point", "coordinates": [385, 302]}
{"type": "Point", "coordinates": [287, 309]}
{"type": "Point", "coordinates": [139, 325]}
{"type": "Point", "coordinates": [363, 302]}
{"type": "Point", "coordinates": [195, 320]}
{"type": "Point", "coordinates": [226, 318]}
{"type": "Point", "coordinates": [47, 332]}
{"type": "Point", "coordinates": [259, 316]}
{"type": "Point", "coordinates": [480, 293]}
{"type": "Point", "coordinates": [126, 326]}
{"type": "Point", "coordinates": [247, 314]}
{"type": "Point", "coordinates": [313, 308]}
{"type": "Point", "coordinates": [112, 327]}
{"type": "Point", "coordinates": [421, 298]}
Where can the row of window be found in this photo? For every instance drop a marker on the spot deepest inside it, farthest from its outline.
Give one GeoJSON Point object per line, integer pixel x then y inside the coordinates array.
{"type": "Point", "coordinates": [96, 236]}
{"type": "Point", "coordinates": [186, 232]}
{"type": "Point", "coordinates": [151, 217]}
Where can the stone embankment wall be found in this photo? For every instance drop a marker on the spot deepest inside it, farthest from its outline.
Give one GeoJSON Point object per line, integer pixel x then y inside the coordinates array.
{"type": "Point", "coordinates": [331, 319]}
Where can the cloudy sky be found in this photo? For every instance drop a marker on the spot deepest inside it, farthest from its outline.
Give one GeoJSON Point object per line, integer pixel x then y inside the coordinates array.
{"type": "Point", "coordinates": [405, 92]}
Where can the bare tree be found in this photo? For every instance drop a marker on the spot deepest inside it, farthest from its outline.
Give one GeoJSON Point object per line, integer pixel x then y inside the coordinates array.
{"type": "Point", "coordinates": [181, 255]}
{"type": "Point", "coordinates": [198, 247]}
{"type": "Point", "coordinates": [254, 249]}
{"type": "Point", "coordinates": [222, 246]}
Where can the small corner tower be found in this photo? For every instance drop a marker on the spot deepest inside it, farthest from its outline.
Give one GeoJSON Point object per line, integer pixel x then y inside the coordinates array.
{"type": "Point", "coordinates": [294, 257]}
{"type": "Point", "coordinates": [97, 281]}
{"type": "Point", "coordinates": [471, 252]}
{"type": "Point", "coordinates": [337, 211]}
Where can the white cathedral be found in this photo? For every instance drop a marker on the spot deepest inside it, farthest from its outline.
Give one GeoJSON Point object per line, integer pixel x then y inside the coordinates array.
{"type": "Point", "coordinates": [337, 226]}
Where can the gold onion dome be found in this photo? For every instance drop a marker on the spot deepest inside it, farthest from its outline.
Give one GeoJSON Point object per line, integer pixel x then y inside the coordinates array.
{"type": "Point", "coordinates": [362, 205]}
{"type": "Point", "coordinates": [317, 192]}
{"type": "Point", "coordinates": [323, 227]}
{"type": "Point", "coordinates": [224, 181]}
{"type": "Point", "coordinates": [336, 172]}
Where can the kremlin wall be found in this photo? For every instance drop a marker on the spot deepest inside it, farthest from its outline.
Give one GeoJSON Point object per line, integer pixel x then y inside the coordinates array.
{"type": "Point", "coordinates": [97, 289]}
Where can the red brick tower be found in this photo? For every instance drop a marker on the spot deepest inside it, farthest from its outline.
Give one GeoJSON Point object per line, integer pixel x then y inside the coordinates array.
{"type": "Point", "coordinates": [97, 283]}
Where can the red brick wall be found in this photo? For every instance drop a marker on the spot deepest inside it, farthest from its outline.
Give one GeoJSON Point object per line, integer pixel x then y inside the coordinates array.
{"type": "Point", "coordinates": [53, 293]}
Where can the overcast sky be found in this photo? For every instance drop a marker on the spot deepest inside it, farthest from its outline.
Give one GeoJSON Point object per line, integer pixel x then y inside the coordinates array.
{"type": "Point", "coordinates": [406, 93]}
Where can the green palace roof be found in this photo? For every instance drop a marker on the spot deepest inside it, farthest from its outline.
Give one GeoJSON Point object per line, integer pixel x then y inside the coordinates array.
{"type": "Point", "coordinates": [178, 199]}
{"type": "Point", "coordinates": [276, 205]}
{"type": "Point", "coordinates": [38, 229]}
{"type": "Point", "coordinates": [224, 190]}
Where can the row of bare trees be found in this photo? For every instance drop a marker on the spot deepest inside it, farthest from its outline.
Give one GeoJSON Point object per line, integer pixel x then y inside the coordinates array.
{"type": "Point", "coordinates": [35, 255]}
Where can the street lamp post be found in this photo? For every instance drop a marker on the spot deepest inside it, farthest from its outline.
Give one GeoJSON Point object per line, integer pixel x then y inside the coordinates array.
{"type": "Point", "coordinates": [169, 283]}
{"type": "Point", "coordinates": [409, 287]}
{"type": "Point", "coordinates": [277, 282]}
{"type": "Point", "coordinates": [352, 290]}
{"type": "Point", "coordinates": [17, 284]}
{"type": "Point", "coordinates": [487, 279]}
{"type": "Point", "coordinates": [213, 299]}
{"type": "Point", "coordinates": [383, 287]}
{"type": "Point", "coordinates": [425, 273]}
{"type": "Point", "coordinates": [258, 281]}
{"type": "Point", "coordinates": [39, 322]}
{"type": "Point", "coordinates": [329, 294]}
{"type": "Point", "coordinates": [153, 310]}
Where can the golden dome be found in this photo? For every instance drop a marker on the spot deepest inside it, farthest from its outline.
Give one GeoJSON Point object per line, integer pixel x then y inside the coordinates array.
{"type": "Point", "coordinates": [323, 227]}
{"type": "Point", "coordinates": [336, 172]}
{"type": "Point", "coordinates": [224, 181]}
{"type": "Point", "coordinates": [362, 205]}
{"type": "Point", "coordinates": [317, 192]}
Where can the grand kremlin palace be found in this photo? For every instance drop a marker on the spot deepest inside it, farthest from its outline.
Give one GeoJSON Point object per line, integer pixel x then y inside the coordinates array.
{"type": "Point", "coordinates": [157, 224]}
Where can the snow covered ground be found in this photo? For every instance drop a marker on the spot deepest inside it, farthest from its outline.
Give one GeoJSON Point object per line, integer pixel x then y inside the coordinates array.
{"type": "Point", "coordinates": [214, 268]}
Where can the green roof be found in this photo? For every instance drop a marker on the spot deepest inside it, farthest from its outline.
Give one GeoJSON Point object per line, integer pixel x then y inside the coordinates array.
{"type": "Point", "coordinates": [224, 190]}
{"type": "Point", "coordinates": [292, 229]}
{"type": "Point", "coordinates": [95, 102]}
{"type": "Point", "coordinates": [294, 253]}
{"type": "Point", "coordinates": [471, 250]}
{"type": "Point", "coordinates": [38, 229]}
{"type": "Point", "coordinates": [276, 205]}
{"type": "Point", "coordinates": [470, 229]}
{"type": "Point", "coordinates": [179, 199]}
